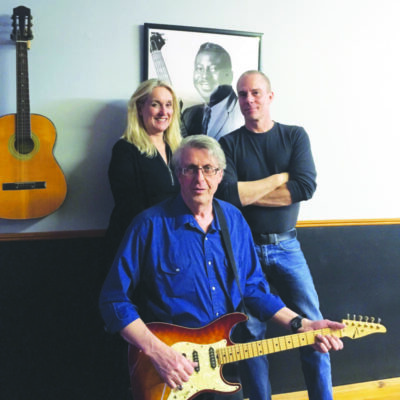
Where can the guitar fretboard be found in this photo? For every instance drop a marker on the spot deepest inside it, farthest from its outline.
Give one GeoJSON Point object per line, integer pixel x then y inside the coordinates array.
{"type": "Point", "coordinates": [159, 65]}
{"type": "Point", "coordinates": [243, 351]}
{"type": "Point", "coordinates": [23, 121]}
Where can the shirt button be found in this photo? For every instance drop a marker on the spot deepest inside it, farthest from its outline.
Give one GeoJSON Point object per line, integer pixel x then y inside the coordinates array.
{"type": "Point", "coordinates": [209, 263]}
{"type": "Point", "coordinates": [177, 270]}
{"type": "Point", "coordinates": [213, 288]}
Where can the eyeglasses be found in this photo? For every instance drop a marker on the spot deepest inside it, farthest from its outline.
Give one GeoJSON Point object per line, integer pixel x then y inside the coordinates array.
{"type": "Point", "coordinates": [192, 170]}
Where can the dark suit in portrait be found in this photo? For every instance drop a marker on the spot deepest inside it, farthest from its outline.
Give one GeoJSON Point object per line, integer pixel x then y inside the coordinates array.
{"type": "Point", "coordinates": [217, 118]}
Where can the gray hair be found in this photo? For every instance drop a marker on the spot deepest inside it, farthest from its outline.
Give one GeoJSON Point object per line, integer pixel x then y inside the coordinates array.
{"type": "Point", "coordinates": [199, 142]}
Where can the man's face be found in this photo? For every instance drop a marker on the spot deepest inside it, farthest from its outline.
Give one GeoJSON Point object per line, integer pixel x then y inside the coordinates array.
{"type": "Point", "coordinates": [210, 71]}
{"type": "Point", "coordinates": [198, 189]}
{"type": "Point", "coordinates": [255, 97]}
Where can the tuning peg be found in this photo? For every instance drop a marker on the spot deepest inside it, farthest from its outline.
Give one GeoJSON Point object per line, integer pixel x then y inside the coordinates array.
{"type": "Point", "coordinates": [379, 320]}
{"type": "Point", "coordinates": [372, 319]}
{"type": "Point", "coordinates": [360, 318]}
{"type": "Point", "coordinates": [354, 317]}
{"type": "Point", "coordinates": [366, 318]}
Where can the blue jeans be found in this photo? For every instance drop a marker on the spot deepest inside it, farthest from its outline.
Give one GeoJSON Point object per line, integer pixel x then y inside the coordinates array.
{"type": "Point", "coordinates": [287, 271]}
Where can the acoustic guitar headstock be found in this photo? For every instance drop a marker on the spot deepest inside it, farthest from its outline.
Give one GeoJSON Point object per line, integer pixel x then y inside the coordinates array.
{"type": "Point", "coordinates": [22, 24]}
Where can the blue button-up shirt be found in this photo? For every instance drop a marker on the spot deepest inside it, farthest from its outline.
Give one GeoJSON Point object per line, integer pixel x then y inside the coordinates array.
{"type": "Point", "coordinates": [169, 270]}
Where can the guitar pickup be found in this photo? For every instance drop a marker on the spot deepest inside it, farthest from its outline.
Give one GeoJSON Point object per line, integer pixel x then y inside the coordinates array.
{"type": "Point", "coordinates": [24, 185]}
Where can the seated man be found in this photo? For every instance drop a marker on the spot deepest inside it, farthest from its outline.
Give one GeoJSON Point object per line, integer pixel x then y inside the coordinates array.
{"type": "Point", "coordinates": [172, 267]}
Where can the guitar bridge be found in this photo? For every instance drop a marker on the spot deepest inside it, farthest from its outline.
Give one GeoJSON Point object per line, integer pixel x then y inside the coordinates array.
{"type": "Point", "coordinates": [24, 185]}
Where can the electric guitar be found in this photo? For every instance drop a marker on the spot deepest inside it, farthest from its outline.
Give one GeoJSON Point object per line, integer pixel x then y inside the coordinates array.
{"type": "Point", "coordinates": [156, 44]}
{"type": "Point", "coordinates": [212, 348]}
{"type": "Point", "coordinates": [32, 184]}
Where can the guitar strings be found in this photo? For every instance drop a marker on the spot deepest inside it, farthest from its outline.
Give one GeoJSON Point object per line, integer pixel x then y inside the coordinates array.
{"type": "Point", "coordinates": [163, 393]}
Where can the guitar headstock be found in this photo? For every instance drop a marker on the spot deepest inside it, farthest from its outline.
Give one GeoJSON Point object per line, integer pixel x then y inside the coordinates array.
{"type": "Point", "coordinates": [22, 23]}
{"type": "Point", "coordinates": [363, 326]}
{"type": "Point", "coordinates": [156, 41]}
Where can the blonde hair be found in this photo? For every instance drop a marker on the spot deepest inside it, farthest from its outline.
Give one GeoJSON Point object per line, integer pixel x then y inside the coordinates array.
{"type": "Point", "coordinates": [135, 131]}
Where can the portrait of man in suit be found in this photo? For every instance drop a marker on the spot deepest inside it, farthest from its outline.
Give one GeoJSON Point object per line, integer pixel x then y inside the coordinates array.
{"type": "Point", "coordinates": [219, 113]}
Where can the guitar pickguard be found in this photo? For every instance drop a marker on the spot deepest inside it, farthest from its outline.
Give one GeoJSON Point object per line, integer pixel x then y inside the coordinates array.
{"type": "Point", "coordinates": [207, 376]}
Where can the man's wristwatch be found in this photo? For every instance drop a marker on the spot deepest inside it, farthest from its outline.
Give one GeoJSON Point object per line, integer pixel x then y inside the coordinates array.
{"type": "Point", "coordinates": [296, 324]}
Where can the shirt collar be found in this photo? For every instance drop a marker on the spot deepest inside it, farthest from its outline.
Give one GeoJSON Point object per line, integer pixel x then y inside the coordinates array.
{"type": "Point", "coordinates": [184, 216]}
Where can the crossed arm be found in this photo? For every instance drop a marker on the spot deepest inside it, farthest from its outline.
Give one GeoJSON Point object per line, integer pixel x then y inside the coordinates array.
{"type": "Point", "coordinates": [267, 192]}
{"type": "Point", "coordinates": [242, 186]}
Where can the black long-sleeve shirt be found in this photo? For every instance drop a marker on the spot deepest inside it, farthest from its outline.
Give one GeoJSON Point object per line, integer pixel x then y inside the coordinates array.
{"type": "Point", "coordinates": [251, 156]}
{"type": "Point", "coordinates": [137, 183]}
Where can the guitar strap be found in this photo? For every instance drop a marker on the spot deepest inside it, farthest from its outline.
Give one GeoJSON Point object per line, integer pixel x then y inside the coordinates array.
{"type": "Point", "coordinates": [226, 239]}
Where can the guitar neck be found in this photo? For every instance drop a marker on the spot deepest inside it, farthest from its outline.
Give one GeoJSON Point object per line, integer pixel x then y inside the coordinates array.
{"type": "Point", "coordinates": [23, 120]}
{"type": "Point", "coordinates": [243, 351]}
{"type": "Point", "coordinates": [160, 67]}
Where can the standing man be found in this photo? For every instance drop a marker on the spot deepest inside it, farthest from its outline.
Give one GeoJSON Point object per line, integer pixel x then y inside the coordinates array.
{"type": "Point", "coordinates": [171, 267]}
{"type": "Point", "coordinates": [212, 78]}
{"type": "Point", "coordinates": [270, 170]}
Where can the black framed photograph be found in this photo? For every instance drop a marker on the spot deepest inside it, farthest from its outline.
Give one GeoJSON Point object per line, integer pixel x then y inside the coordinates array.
{"type": "Point", "coordinates": [197, 62]}
{"type": "Point", "coordinates": [170, 52]}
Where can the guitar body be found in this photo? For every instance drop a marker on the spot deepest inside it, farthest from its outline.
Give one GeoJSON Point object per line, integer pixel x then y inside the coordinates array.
{"type": "Point", "coordinates": [32, 183]}
{"type": "Point", "coordinates": [146, 384]}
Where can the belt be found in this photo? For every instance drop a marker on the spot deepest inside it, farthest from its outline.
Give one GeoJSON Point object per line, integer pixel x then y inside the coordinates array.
{"type": "Point", "coordinates": [274, 238]}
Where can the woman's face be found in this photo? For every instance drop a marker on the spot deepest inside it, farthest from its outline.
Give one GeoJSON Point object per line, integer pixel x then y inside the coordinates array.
{"type": "Point", "coordinates": [157, 111]}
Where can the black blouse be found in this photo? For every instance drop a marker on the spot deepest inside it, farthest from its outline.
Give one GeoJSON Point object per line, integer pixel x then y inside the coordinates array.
{"type": "Point", "coordinates": [137, 182]}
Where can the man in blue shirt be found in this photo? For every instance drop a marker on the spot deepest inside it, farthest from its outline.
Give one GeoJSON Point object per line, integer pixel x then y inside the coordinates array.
{"type": "Point", "coordinates": [171, 267]}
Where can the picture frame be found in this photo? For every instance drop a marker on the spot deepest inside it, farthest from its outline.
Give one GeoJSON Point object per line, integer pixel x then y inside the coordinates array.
{"type": "Point", "coordinates": [170, 52]}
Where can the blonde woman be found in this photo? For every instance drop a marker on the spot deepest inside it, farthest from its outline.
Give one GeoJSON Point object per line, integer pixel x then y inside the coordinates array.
{"type": "Point", "coordinates": [139, 172]}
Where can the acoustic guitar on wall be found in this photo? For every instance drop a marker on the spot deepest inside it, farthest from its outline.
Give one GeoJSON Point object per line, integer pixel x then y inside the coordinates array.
{"type": "Point", "coordinates": [32, 183]}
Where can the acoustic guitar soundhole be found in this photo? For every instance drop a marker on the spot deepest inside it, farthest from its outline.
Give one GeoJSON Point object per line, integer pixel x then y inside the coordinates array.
{"type": "Point", "coordinates": [24, 146]}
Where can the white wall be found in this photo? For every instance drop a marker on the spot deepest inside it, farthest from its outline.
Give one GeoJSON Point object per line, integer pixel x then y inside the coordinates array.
{"type": "Point", "coordinates": [333, 65]}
